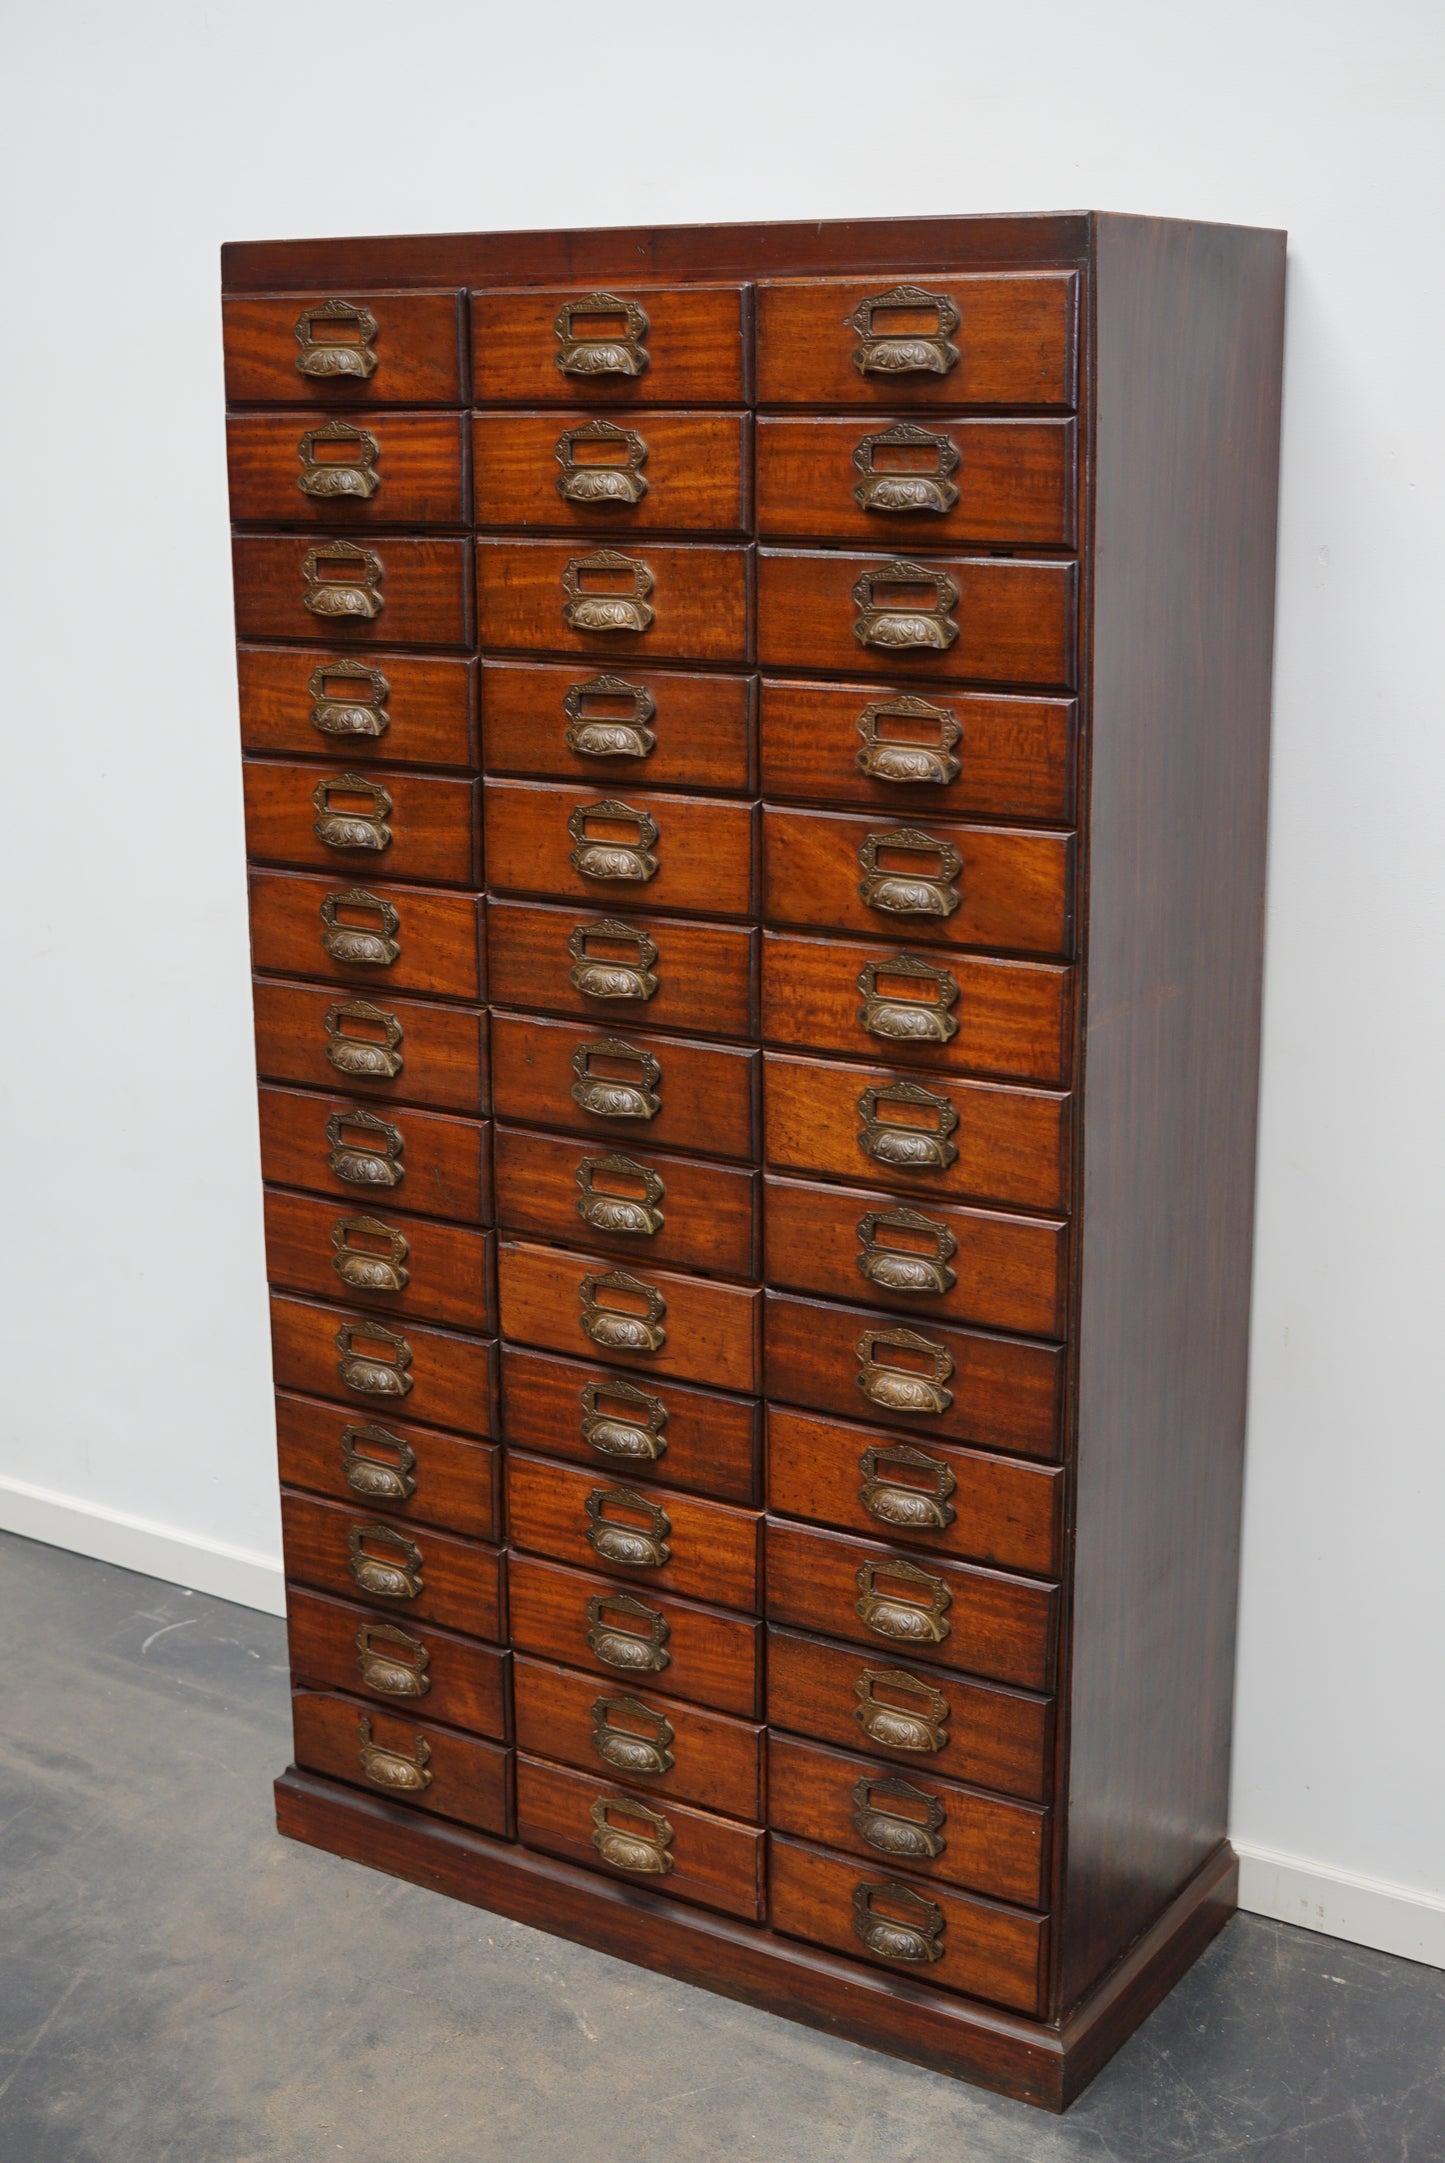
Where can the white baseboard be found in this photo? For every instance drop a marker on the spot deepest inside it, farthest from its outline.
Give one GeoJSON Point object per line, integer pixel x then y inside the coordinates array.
{"type": "Point", "coordinates": [180, 1558]}
{"type": "Point", "coordinates": [1366, 1911]}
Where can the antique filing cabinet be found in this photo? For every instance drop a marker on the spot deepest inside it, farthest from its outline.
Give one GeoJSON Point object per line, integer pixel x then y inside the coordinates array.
{"type": "Point", "coordinates": [755, 756]}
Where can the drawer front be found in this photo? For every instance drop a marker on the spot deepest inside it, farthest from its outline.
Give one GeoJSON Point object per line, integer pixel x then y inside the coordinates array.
{"type": "Point", "coordinates": [909, 1821]}
{"type": "Point", "coordinates": [605, 851]}
{"type": "Point", "coordinates": [393, 1265]}
{"type": "Point", "coordinates": [925, 1931]}
{"type": "Point", "coordinates": [351, 470]}
{"type": "Point", "coordinates": [908, 1718]}
{"type": "Point", "coordinates": [935, 342]}
{"type": "Point", "coordinates": [383, 592]}
{"type": "Point", "coordinates": [659, 1745]}
{"type": "Point", "coordinates": [952, 617]}
{"type": "Point", "coordinates": [373, 936]}
{"type": "Point", "coordinates": [656, 727]}
{"type": "Point", "coordinates": [960, 1011]}
{"type": "Point", "coordinates": [685, 1853]}
{"type": "Point", "coordinates": [391, 706]}
{"type": "Point", "coordinates": [931, 1496]}
{"type": "Point", "coordinates": [661, 972]}
{"type": "Point", "coordinates": [963, 1265]}
{"type": "Point", "coordinates": [406, 1671]}
{"type": "Point", "coordinates": [660, 599]}
{"type": "Point", "coordinates": [660, 1323]}
{"type": "Point", "coordinates": [447, 1775]}
{"type": "Point", "coordinates": [662, 1539]}
{"type": "Point", "coordinates": [958, 1385]}
{"type": "Point", "coordinates": [437, 1167]}
{"type": "Point", "coordinates": [690, 1438]}
{"type": "Point", "coordinates": [626, 1090]}
{"type": "Point", "coordinates": [400, 1051]}
{"type": "Point", "coordinates": [661, 473]}
{"type": "Point", "coordinates": [950, 483]}
{"type": "Point", "coordinates": [648, 346]}
{"type": "Point", "coordinates": [376, 1369]}
{"type": "Point", "coordinates": [924, 1137]}
{"type": "Point", "coordinates": [932, 884]}
{"type": "Point", "coordinates": [338, 350]}
{"type": "Point", "coordinates": [634, 1204]}
{"type": "Point", "coordinates": [702, 1654]}
{"type": "Point", "coordinates": [409, 1571]}
{"type": "Point", "coordinates": [390, 1467]}
{"type": "Point", "coordinates": [918, 1609]}
{"type": "Point", "coordinates": [361, 825]}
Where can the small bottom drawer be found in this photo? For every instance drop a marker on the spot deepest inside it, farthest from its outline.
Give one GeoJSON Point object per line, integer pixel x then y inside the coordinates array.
{"type": "Point", "coordinates": [455, 1776]}
{"type": "Point", "coordinates": [410, 1668]}
{"type": "Point", "coordinates": [656, 1743]}
{"type": "Point", "coordinates": [676, 1850]}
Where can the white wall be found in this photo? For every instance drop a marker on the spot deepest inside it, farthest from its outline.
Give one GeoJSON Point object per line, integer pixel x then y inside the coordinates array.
{"type": "Point", "coordinates": [138, 137]}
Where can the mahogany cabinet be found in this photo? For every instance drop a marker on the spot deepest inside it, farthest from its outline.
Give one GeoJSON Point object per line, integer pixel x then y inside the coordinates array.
{"type": "Point", "coordinates": [756, 746]}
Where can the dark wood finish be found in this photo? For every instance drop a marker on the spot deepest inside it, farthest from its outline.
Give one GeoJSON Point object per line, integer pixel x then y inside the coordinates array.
{"type": "Point", "coordinates": [443, 1049]}
{"type": "Point", "coordinates": [461, 1584]}
{"type": "Point", "coordinates": [705, 972]}
{"type": "Point", "coordinates": [467, 1685]}
{"type": "Point", "coordinates": [455, 1485]}
{"type": "Point", "coordinates": [710, 1212]}
{"type": "Point", "coordinates": [420, 471]}
{"type": "Point", "coordinates": [710, 1859]}
{"type": "Point", "coordinates": [699, 597]}
{"type": "Point", "coordinates": [453, 1378]}
{"type": "Point", "coordinates": [713, 1657]}
{"type": "Point", "coordinates": [706, 1094]}
{"type": "Point", "coordinates": [418, 347]}
{"type": "Point", "coordinates": [1015, 482]}
{"type": "Point", "coordinates": [715, 1553]}
{"type": "Point", "coordinates": [470, 1780]}
{"type": "Point", "coordinates": [448, 1267]}
{"type": "Point", "coordinates": [424, 588]}
{"type": "Point", "coordinates": [429, 707]}
{"type": "Point", "coordinates": [696, 345]}
{"type": "Point", "coordinates": [704, 848]}
{"type": "Point", "coordinates": [434, 825]}
{"type": "Point", "coordinates": [439, 935]}
{"type": "Point", "coordinates": [702, 726]}
{"type": "Point", "coordinates": [698, 472]}
{"type": "Point", "coordinates": [445, 1163]}
{"type": "Point", "coordinates": [709, 1444]}
{"type": "Point", "coordinates": [711, 1330]}
{"type": "Point", "coordinates": [717, 1762]}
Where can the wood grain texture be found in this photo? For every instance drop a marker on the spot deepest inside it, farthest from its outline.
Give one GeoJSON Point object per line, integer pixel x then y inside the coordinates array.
{"type": "Point", "coordinates": [429, 830]}
{"type": "Point", "coordinates": [710, 1213]}
{"type": "Point", "coordinates": [455, 1485]}
{"type": "Point", "coordinates": [699, 594]}
{"type": "Point", "coordinates": [714, 1552]}
{"type": "Point", "coordinates": [708, 1859]}
{"type": "Point", "coordinates": [1014, 482]}
{"type": "Point", "coordinates": [696, 344]}
{"type": "Point", "coordinates": [702, 726]}
{"type": "Point", "coordinates": [706, 972]}
{"type": "Point", "coordinates": [461, 1585]}
{"type": "Point", "coordinates": [470, 1780]}
{"type": "Point", "coordinates": [466, 1684]}
{"type": "Point", "coordinates": [710, 1331]}
{"type": "Point", "coordinates": [711, 1657]}
{"type": "Point", "coordinates": [703, 852]}
{"type": "Point", "coordinates": [446, 1268]}
{"type": "Point", "coordinates": [697, 470]}
{"type": "Point", "coordinates": [443, 1049]}
{"type": "Point", "coordinates": [438, 935]}
{"type": "Point", "coordinates": [717, 1762]}
{"type": "Point", "coordinates": [424, 587]}
{"type": "Point", "coordinates": [429, 707]}
{"type": "Point", "coordinates": [419, 468]}
{"type": "Point", "coordinates": [453, 1379]}
{"type": "Point", "coordinates": [707, 1443]}
{"type": "Point", "coordinates": [444, 1164]}
{"type": "Point", "coordinates": [418, 348]}
{"type": "Point", "coordinates": [706, 1094]}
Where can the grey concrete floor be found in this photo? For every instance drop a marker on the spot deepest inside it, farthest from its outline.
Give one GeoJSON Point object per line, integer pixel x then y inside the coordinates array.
{"type": "Point", "coordinates": [180, 1985]}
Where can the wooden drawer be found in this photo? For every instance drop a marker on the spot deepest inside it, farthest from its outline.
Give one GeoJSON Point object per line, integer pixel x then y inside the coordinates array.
{"type": "Point", "coordinates": [413, 356]}
{"type": "Point", "coordinates": [662, 599]}
{"type": "Point", "coordinates": [660, 1323]}
{"type": "Point", "coordinates": [658, 1745]}
{"type": "Point", "coordinates": [445, 1774]}
{"type": "Point", "coordinates": [1011, 1018]}
{"type": "Point", "coordinates": [950, 483]}
{"type": "Point", "coordinates": [959, 1501]}
{"type": "Point", "coordinates": [929, 1136]}
{"type": "Point", "coordinates": [390, 1467]}
{"type": "Point", "coordinates": [380, 938]}
{"type": "Point", "coordinates": [877, 344]}
{"type": "Point", "coordinates": [998, 1391]}
{"type": "Point", "coordinates": [392, 706]}
{"type": "Point", "coordinates": [947, 1940]}
{"type": "Point", "coordinates": [437, 1167]}
{"type": "Point", "coordinates": [704, 1654]}
{"type": "Point", "coordinates": [654, 726]}
{"type": "Point", "coordinates": [913, 1822]}
{"type": "Point", "coordinates": [964, 1265]}
{"type": "Point", "coordinates": [692, 853]}
{"type": "Point", "coordinates": [974, 756]}
{"type": "Point", "coordinates": [952, 617]}
{"type": "Point", "coordinates": [412, 1572]}
{"type": "Point", "coordinates": [933, 885]}
{"type": "Point", "coordinates": [355, 825]}
{"type": "Point", "coordinates": [685, 1853]}
{"type": "Point", "coordinates": [978, 1621]}
{"type": "Point", "coordinates": [401, 1051]}
{"type": "Point", "coordinates": [664, 1539]}
{"type": "Point", "coordinates": [395, 1266]}
{"type": "Point", "coordinates": [415, 1670]}
{"type": "Point", "coordinates": [438, 1377]}
{"type": "Point", "coordinates": [633, 1204]}
{"type": "Point", "coordinates": [686, 1095]}
{"type": "Point", "coordinates": [661, 971]}
{"type": "Point", "coordinates": [659, 473]}
{"type": "Point", "coordinates": [930, 1720]}
{"type": "Point", "coordinates": [351, 470]}
{"type": "Point", "coordinates": [387, 591]}
{"type": "Point", "coordinates": [555, 345]}
{"type": "Point", "coordinates": [689, 1437]}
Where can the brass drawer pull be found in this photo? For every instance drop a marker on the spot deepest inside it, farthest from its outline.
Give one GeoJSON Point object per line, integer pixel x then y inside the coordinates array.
{"type": "Point", "coordinates": [335, 338]}
{"type": "Point", "coordinates": [612, 841]}
{"type": "Point", "coordinates": [360, 945]}
{"type": "Point", "coordinates": [384, 1477]}
{"type": "Point", "coordinates": [364, 1365]}
{"type": "Point", "coordinates": [338, 828]}
{"type": "Point", "coordinates": [907, 1000]}
{"type": "Point", "coordinates": [620, 1420]}
{"type": "Point", "coordinates": [907, 1126]}
{"type": "Point", "coordinates": [352, 1051]}
{"type": "Point", "coordinates": [392, 1663]}
{"type": "Point", "coordinates": [896, 1500]}
{"type": "Point", "coordinates": [910, 1938]}
{"type": "Point", "coordinates": [601, 335]}
{"type": "Point", "coordinates": [373, 1162]}
{"type": "Point", "coordinates": [632, 1547]}
{"type": "Point", "coordinates": [614, 1079]}
{"type": "Point", "coordinates": [607, 591]}
{"type": "Point", "coordinates": [921, 884]}
{"type": "Point", "coordinates": [615, 1194]}
{"type": "Point", "coordinates": [394, 1574]}
{"type": "Point", "coordinates": [596, 730]}
{"type": "Point", "coordinates": [923, 1619]}
{"type": "Point", "coordinates": [897, 1831]}
{"type": "Point", "coordinates": [910, 741]}
{"type": "Point", "coordinates": [912, 1380]}
{"type": "Point", "coordinates": [601, 465]}
{"type": "Point", "coordinates": [624, 1846]}
{"type": "Point", "coordinates": [621, 1747]}
{"type": "Point", "coordinates": [904, 331]}
{"type": "Point", "coordinates": [920, 1724]}
{"type": "Point", "coordinates": [353, 474]}
{"type": "Point", "coordinates": [341, 579]}
{"type": "Point", "coordinates": [914, 473]}
{"type": "Point", "coordinates": [601, 966]}
{"type": "Point", "coordinates": [643, 1646]}
{"type": "Point", "coordinates": [393, 1768]}
{"type": "Point", "coordinates": [621, 1313]}
{"type": "Point", "coordinates": [369, 1255]}
{"type": "Point", "coordinates": [339, 706]}
{"type": "Point", "coordinates": [902, 605]}
{"type": "Point", "coordinates": [902, 1251]}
